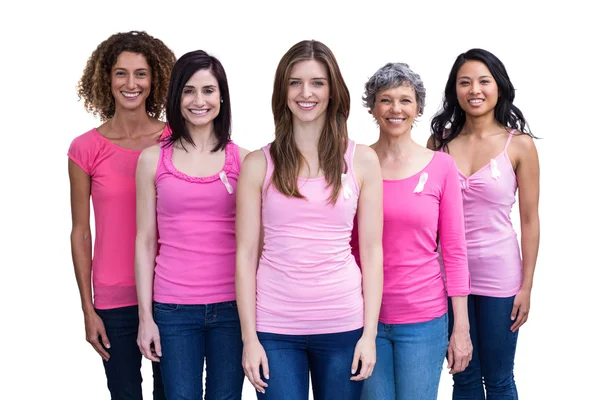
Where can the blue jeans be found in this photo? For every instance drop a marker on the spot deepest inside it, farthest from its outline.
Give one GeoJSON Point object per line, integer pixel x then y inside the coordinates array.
{"type": "Point", "coordinates": [328, 357]}
{"type": "Point", "coordinates": [190, 333]}
{"type": "Point", "coordinates": [123, 373]}
{"type": "Point", "coordinates": [409, 361]}
{"type": "Point", "coordinates": [494, 347]}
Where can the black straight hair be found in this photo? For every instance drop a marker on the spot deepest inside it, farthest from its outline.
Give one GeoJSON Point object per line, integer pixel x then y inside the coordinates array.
{"type": "Point", "coordinates": [450, 119]}
{"type": "Point", "coordinates": [184, 68]}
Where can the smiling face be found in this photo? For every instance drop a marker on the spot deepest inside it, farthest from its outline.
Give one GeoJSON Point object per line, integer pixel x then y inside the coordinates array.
{"type": "Point", "coordinates": [201, 99]}
{"type": "Point", "coordinates": [395, 110]}
{"type": "Point", "coordinates": [308, 91]}
{"type": "Point", "coordinates": [131, 81]}
{"type": "Point", "coordinates": [476, 89]}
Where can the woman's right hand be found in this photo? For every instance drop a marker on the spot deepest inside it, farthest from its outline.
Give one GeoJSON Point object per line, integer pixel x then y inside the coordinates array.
{"type": "Point", "coordinates": [253, 359]}
{"type": "Point", "coordinates": [95, 334]}
{"type": "Point", "coordinates": [147, 336]}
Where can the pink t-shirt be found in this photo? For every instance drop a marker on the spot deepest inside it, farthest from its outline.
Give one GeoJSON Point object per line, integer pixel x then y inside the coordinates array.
{"type": "Point", "coordinates": [112, 172]}
{"type": "Point", "coordinates": [416, 210]}
{"type": "Point", "coordinates": [196, 228]}
{"type": "Point", "coordinates": [492, 245]}
{"type": "Point", "coordinates": [307, 280]}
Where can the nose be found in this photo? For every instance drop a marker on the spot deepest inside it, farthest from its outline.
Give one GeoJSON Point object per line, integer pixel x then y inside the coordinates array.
{"type": "Point", "coordinates": [131, 82]}
{"type": "Point", "coordinates": [475, 88]}
{"type": "Point", "coordinates": [306, 91]}
{"type": "Point", "coordinates": [396, 109]}
{"type": "Point", "coordinates": [199, 99]}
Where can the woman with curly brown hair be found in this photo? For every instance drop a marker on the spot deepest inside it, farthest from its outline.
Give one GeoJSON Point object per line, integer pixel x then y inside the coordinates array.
{"type": "Point", "coordinates": [125, 83]}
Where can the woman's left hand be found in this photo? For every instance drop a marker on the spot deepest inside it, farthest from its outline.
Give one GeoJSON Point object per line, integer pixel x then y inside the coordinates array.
{"type": "Point", "coordinates": [365, 353]}
{"type": "Point", "coordinates": [520, 310]}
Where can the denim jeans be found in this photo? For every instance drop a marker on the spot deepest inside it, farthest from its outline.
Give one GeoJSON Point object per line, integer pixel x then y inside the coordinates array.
{"type": "Point", "coordinates": [123, 373]}
{"type": "Point", "coordinates": [328, 357]}
{"type": "Point", "coordinates": [409, 361]}
{"type": "Point", "coordinates": [191, 333]}
{"type": "Point", "coordinates": [494, 347]}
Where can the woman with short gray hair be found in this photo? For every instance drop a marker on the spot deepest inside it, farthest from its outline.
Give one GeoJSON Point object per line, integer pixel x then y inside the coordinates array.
{"type": "Point", "coordinates": [422, 201]}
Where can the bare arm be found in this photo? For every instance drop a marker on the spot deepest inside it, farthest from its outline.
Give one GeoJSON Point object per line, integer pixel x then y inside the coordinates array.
{"type": "Point", "coordinates": [145, 250]}
{"type": "Point", "coordinates": [248, 233]}
{"type": "Point", "coordinates": [370, 231]}
{"type": "Point", "coordinates": [528, 181]}
{"type": "Point", "coordinates": [81, 251]}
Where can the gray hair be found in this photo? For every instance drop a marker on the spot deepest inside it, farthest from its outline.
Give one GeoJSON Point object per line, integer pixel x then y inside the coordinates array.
{"type": "Point", "coordinates": [390, 76]}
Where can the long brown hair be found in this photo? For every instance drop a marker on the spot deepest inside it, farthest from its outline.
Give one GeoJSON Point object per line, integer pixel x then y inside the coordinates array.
{"type": "Point", "coordinates": [333, 141]}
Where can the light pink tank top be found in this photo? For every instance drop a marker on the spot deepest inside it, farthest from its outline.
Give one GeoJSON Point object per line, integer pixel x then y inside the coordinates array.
{"type": "Point", "coordinates": [307, 280]}
{"type": "Point", "coordinates": [492, 246]}
{"type": "Point", "coordinates": [196, 227]}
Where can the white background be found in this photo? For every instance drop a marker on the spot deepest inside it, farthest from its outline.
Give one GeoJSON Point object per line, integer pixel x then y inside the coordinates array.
{"type": "Point", "coordinates": [550, 51]}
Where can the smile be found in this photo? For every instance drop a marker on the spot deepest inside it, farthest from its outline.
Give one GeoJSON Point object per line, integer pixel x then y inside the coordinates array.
{"type": "Point", "coordinates": [199, 113]}
{"type": "Point", "coordinates": [305, 105]}
{"type": "Point", "coordinates": [131, 95]}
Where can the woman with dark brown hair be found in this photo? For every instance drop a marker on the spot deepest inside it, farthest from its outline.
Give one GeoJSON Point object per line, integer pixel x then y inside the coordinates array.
{"type": "Point", "coordinates": [300, 291]}
{"type": "Point", "coordinates": [125, 83]}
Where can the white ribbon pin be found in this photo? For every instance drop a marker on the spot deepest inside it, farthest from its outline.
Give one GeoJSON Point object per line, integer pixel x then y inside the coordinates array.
{"type": "Point", "coordinates": [223, 177]}
{"type": "Point", "coordinates": [494, 168]}
{"type": "Point", "coordinates": [421, 185]}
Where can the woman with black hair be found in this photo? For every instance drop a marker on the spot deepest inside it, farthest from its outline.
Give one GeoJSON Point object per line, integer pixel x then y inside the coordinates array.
{"type": "Point", "coordinates": [490, 141]}
{"type": "Point", "coordinates": [186, 204]}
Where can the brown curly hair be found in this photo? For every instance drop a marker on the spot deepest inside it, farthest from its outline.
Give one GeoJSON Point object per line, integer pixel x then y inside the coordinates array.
{"type": "Point", "coordinates": [94, 85]}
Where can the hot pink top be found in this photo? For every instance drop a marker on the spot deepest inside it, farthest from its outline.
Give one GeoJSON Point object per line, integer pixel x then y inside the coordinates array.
{"type": "Point", "coordinates": [492, 245]}
{"type": "Point", "coordinates": [307, 280]}
{"type": "Point", "coordinates": [416, 210]}
{"type": "Point", "coordinates": [112, 172]}
{"type": "Point", "coordinates": [196, 229]}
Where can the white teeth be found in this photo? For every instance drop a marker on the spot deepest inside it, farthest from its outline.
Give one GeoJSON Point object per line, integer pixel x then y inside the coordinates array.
{"type": "Point", "coordinates": [131, 95]}
{"type": "Point", "coordinates": [198, 112]}
{"type": "Point", "coordinates": [476, 101]}
{"type": "Point", "coordinates": [395, 120]}
{"type": "Point", "coordinates": [306, 105]}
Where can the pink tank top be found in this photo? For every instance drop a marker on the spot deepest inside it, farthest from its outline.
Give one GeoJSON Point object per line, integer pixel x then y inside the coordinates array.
{"type": "Point", "coordinates": [307, 280]}
{"type": "Point", "coordinates": [196, 229]}
{"type": "Point", "coordinates": [492, 246]}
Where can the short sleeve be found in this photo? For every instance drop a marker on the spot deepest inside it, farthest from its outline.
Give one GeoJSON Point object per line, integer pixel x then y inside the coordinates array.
{"type": "Point", "coordinates": [83, 150]}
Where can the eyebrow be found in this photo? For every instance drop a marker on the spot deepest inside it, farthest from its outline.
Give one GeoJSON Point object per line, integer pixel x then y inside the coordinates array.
{"type": "Point", "coordinates": [125, 69]}
{"type": "Point", "coordinates": [312, 79]}
{"type": "Point", "coordinates": [468, 77]}
{"type": "Point", "coordinates": [203, 87]}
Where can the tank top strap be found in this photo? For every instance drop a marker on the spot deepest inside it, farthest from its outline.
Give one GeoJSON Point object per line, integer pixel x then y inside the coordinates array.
{"type": "Point", "coordinates": [349, 170]}
{"type": "Point", "coordinates": [267, 150]}
{"type": "Point", "coordinates": [164, 155]}
{"type": "Point", "coordinates": [232, 158]}
{"type": "Point", "coordinates": [510, 135]}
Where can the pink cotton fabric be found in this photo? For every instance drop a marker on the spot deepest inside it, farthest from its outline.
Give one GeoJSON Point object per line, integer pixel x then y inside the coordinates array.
{"type": "Point", "coordinates": [307, 280]}
{"type": "Point", "coordinates": [196, 228]}
{"type": "Point", "coordinates": [413, 285]}
{"type": "Point", "coordinates": [492, 246]}
{"type": "Point", "coordinates": [112, 172]}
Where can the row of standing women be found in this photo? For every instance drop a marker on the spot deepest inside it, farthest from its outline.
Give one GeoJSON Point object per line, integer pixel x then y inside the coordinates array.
{"type": "Point", "coordinates": [365, 265]}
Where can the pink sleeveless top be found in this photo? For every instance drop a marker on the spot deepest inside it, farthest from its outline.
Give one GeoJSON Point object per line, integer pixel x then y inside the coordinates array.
{"type": "Point", "coordinates": [492, 246]}
{"type": "Point", "coordinates": [112, 172]}
{"type": "Point", "coordinates": [196, 228]}
{"type": "Point", "coordinates": [307, 280]}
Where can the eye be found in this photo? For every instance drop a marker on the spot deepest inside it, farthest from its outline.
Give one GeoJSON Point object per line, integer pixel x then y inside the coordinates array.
{"type": "Point", "coordinates": [208, 91]}
{"type": "Point", "coordinates": [318, 83]}
{"type": "Point", "coordinates": [406, 101]}
{"type": "Point", "coordinates": [295, 83]}
{"type": "Point", "coordinates": [485, 81]}
{"type": "Point", "coordinates": [384, 100]}
{"type": "Point", "coordinates": [188, 91]}
{"type": "Point", "coordinates": [463, 83]}
{"type": "Point", "coordinates": [120, 73]}
{"type": "Point", "coordinates": [142, 74]}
